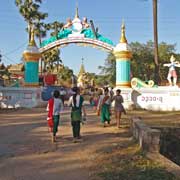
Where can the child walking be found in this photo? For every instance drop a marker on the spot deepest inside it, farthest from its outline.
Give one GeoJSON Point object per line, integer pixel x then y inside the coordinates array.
{"type": "Point", "coordinates": [118, 107]}
{"type": "Point", "coordinates": [54, 107]}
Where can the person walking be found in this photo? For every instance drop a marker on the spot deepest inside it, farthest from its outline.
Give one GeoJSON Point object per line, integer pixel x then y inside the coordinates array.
{"type": "Point", "coordinates": [54, 107]}
{"type": "Point", "coordinates": [76, 103]}
{"type": "Point", "coordinates": [111, 92]}
{"type": "Point", "coordinates": [104, 106]}
{"type": "Point", "coordinates": [118, 107]}
{"type": "Point", "coordinates": [62, 94]}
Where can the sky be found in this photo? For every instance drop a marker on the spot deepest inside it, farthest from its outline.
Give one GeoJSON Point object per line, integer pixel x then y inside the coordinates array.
{"type": "Point", "coordinates": [106, 15]}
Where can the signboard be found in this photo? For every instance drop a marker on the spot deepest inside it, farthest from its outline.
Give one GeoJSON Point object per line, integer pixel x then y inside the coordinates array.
{"type": "Point", "coordinates": [159, 99]}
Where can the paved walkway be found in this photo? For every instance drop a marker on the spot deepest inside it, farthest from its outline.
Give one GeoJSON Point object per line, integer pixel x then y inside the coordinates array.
{"type": "Point", "coordinates": [26, 151]}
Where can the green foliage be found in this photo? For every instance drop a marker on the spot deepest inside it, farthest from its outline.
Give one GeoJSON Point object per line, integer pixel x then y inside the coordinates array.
{"type": "Point", "coordinates": [108, 71]}
{"type": "Point", "coordinates": [56, 26]}
{"type": "Point", "coordinates": [65, 73]}
{"type": "Point", "coordinates": [29, 9]}
{"type": "Point", "coordinates": [142, 63]}
{"type": "Point", "coordinates": [143, 59]}
{"type": "Point", "coordinates": [50, 57]}
{"type": "Point", "coordinates": [40, 30]}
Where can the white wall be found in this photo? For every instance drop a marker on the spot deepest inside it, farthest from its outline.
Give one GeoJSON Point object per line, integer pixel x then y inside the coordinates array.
{"type": "Point", "coordinates": [157, 99]}
{"type": "Point", "coordinates": [12, 97]}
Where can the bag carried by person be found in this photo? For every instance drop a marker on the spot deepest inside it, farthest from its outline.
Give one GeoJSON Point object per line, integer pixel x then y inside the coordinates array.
{"type": "Point", "coordinates": [76, 115]}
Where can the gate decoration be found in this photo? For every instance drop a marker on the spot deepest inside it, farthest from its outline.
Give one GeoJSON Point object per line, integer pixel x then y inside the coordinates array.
{"type": "Point", "coordinates": [80, 33]}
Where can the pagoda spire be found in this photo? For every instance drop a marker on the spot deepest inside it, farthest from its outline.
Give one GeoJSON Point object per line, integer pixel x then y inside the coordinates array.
{"type": "Point", "coordinates": [82, 69]}
{"type": "Point", "coordinates": [77, 13]}
{"type": "Point", "coordinates": [123, 36]}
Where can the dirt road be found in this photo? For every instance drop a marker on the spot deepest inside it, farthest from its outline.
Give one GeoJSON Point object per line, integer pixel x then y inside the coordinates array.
{"type": "Point", "coordinates": [27, 153]}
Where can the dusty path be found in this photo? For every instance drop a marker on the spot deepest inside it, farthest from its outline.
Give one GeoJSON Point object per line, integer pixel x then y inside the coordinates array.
{"type": "Point", "coordinates": [26, 151]}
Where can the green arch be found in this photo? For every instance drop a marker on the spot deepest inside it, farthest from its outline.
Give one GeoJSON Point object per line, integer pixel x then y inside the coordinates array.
{"type": "Point", "coordinates": [88, 33]}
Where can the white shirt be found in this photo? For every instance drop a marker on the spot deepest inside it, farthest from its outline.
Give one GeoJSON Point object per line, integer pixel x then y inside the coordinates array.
{"type": "Point", "coordinates": [62, 92]}
{"type": "Point", "coordinates": [108, 101]}
{"type": "Point", "coordinates": [58, 106]}
{"type": "Point", "coordinates": [70, 102]}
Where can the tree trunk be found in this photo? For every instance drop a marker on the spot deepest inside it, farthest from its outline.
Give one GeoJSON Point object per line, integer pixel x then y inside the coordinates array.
{"type": "Point", "coordinates": [155, 27]}
{"type": "Point", "coordinates": [29, 31]}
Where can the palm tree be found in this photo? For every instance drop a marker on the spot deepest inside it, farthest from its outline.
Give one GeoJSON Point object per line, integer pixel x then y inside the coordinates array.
{"type": "Point", "coordinates": [56, 26]}
{"type": "Point", "coordinates": [155, 27]}
{"type": "Point", "coordinates": [51, 56]}
{"type": "Point", "coordinates": [29, 9]}
{"type": "Point", "coordinates": [40, 31]}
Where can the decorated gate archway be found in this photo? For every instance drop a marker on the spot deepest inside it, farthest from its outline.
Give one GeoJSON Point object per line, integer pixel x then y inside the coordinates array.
{"type": "Point", "coordinates": [79, 32]}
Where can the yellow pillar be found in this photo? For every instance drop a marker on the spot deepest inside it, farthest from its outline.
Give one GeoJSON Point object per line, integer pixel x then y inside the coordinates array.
{"type": "Point", "coordinates": [31, 56]}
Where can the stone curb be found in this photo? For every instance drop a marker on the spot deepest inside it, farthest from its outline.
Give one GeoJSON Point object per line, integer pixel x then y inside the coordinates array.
{"type": "Point", "coordinates": [148, 139]}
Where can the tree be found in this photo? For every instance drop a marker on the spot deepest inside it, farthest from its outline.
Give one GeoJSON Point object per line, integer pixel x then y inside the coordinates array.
{"type": "Point", "coordinates": [109, 70]}
{"type": "Point", "coordinates": [50, 57]}
{"type": "Point", "coordinates": [29, 9]}
{"type": "Point", "coordinates": [142, 64]}
{"type": "Point", "coordinates": [155, 49]}
{"type": "Point", "coordinates": [40, 29]}
{"type": "Point", "coordinates": [56, 26]}
{"type": "Point", "coordinates": [40, 32]}
{"type": "Point", "coordinates": [64, 76]}
{"type": "Point", "coordinates": [155, 27]}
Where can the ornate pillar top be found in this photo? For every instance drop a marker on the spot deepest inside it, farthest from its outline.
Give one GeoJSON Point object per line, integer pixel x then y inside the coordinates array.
{"type": "Point", "coordinates": [123, 36]}
{"type": "Point", "coordinates": [123, 44]}
{"type": "Point", "coordinates": [32, 48]}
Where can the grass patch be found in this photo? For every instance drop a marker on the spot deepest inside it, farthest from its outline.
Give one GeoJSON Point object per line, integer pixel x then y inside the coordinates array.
{"type": "Point", "coordinates": [138, 168]}
{"type": "Point", "coordinates": [158, 119]}
{"type": "Point", "coordinates": [130, 163]}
